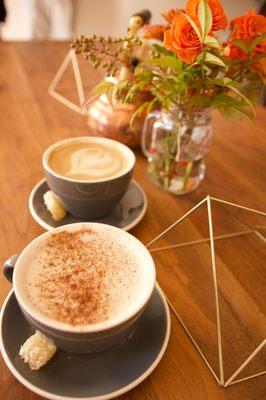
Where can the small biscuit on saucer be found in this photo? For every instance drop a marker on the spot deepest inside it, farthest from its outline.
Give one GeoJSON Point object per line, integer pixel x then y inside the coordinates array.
{"type": "Point", "coordinates": [54, 205]}
{"type": "Point", "coordinates": [37, 350]}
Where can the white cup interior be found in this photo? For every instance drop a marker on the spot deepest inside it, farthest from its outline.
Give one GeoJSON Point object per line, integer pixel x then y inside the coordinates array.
{"type": "Point", "coordinates": [127, 240]}
{"type": "Point", "coordinates": [129, 155]}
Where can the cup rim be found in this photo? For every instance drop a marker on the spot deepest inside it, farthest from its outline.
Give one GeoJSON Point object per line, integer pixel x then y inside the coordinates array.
{"type": "Point", "coordinates": [90, 328]}
{"type": "Point", "coordinates": [125, 149]}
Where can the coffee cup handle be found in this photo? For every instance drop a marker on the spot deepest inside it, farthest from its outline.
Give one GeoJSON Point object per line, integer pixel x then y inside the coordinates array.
{"type": "Point", "coordinates": [8, 267]}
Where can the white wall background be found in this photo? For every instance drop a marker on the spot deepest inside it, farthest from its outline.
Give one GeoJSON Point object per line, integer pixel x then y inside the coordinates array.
{"type": "Point", "coordinates": [106, 17]}
{"type": "Point", "coordinates": [111, 16]}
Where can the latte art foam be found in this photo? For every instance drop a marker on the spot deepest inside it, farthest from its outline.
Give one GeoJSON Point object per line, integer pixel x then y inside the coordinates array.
{"type": "Point", "coordinates": [98, 161]}
{"type": "Point", "coordinates": [89, 161]}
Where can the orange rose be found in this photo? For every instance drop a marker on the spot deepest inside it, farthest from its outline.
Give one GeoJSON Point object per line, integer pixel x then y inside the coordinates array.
{"type": "Point", "coordinates": [155, 32]}
{"type": "Point", "coordinates": [219, 19]}
{"type": "Point", "coordinates": [245, 28]}
{"type": "Point", "coordinates": [182, 39]}
{"type": "Point", "coordinates": [248, 25]}
{"type": "Point", "coordinates": [170, 14]}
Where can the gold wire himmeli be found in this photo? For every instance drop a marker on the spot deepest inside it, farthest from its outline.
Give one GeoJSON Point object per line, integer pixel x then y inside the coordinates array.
{"type": "Point", "coordinates": [253, 229]}
{"type": "Point", "coordinates": [70, 58]}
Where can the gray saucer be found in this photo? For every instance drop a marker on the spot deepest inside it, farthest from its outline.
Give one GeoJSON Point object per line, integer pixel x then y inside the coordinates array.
{"type": "Point", "coordinates": [127, 214]}
{"type": "Point", "coordinates": [97, 376]}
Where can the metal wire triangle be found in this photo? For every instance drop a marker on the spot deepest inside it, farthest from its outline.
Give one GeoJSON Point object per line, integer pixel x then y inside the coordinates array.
{"type": "Point", "coordinates": [70, 57]}
{"type": "Point", "coordinates": [211, 239]}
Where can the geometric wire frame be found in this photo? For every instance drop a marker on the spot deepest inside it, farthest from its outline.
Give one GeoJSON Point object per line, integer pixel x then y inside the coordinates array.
{"type": "Point", "coordinates": [252, 229]}
{"type": "Point", "coordinates": [70, 58]}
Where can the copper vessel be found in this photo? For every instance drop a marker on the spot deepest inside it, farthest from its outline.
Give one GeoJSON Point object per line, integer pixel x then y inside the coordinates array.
{"type": "Point", "coordinates": [114, 121]}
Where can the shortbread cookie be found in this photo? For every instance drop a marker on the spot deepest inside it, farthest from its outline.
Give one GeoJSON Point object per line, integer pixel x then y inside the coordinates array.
{"type": "Point", "coordinates": [37, 350]}
{"type": "Point", "coordinates": [54, 205]}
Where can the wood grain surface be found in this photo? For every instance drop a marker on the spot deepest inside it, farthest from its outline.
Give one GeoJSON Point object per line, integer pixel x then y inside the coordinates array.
{"type": "Point", "coordinates": [31, 120]}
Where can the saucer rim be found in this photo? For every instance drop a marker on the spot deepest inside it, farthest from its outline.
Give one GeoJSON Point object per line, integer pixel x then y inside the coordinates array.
{"type": "Point", "coordinates": [111, 395]}
{"type": "Point", "coordinates": [48, 227]}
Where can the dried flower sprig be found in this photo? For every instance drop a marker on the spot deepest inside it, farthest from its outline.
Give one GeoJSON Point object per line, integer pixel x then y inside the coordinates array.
{"type": "Point", "coordinates": [108, 53]}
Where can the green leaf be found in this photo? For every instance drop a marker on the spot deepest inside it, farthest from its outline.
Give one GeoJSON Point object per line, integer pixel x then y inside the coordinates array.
{"type": "Point", "coordinates": [243, 97]}
{"type": "Point", "coordinates": [135, 87]}
{"type": "Point", "coordinates": [235, 112]}
{"type": "Point", "coordinates": [199, 101]}
{"type": "Point", "coordinates": [144, 75]}
{"type": "Point", "coordinates": [240, 44]}
{"type": "Point", "coordinates": [212, 42]}
{"type": "Point", "coordinates": [212, 59]}
{"type": "Point", "coordinates": [194, 26]}
{"type": "Point", "coordinates": [226, 82]}
{"type": "Point", "coordinates": [247, 115]}
{"type": "Point", "coordinates": [205, 17]}
{"type": "Point", "coordinates": [162, 49]}
{"type": "Point", "coordinates": [138, 112]}
{"type": "Point", "coordinates": [257, 41]}
{"type": "Point", "coordinates": [101, 88]}
{"type": "Point", "coordinates": [230, 84]}
{"type": "Point", "coordinates": [247, 46]}
{"type": "Point", "coordinates": [114, 93]}
{"type": "Point", "coordinates": [109, 94]}
{"type": "Point", "coordinates": [150, 106]}
{"type": "Point", "coordinates": [166, 61]}
{"type": "Point", "coordinates": [223, 100]}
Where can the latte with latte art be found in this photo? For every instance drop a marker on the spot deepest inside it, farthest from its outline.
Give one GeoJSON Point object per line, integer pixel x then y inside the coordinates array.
{"type": "Point", "coordinates": [88, 161]}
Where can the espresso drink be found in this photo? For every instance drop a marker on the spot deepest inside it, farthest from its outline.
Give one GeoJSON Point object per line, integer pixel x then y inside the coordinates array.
{"type": "Point", "coordinates": [88, 161]}
{"type": "Point", "coordinates": [85, 277]}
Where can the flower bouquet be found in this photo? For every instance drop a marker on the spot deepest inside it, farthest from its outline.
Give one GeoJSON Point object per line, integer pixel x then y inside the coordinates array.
{"type": "Point", "coordinates": [117, 58]}
{"type": "Point", "coordinates": [188, 74]}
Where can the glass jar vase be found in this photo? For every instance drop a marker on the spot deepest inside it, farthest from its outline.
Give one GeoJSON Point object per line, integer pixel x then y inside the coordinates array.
{"type": "Point", "coordinates": [176, 143]}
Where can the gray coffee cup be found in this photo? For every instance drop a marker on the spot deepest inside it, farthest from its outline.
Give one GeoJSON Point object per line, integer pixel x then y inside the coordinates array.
{"type": "Point", "coordinates": [89, 198]}
{"type": "Point", "coordinates": [89, 338]}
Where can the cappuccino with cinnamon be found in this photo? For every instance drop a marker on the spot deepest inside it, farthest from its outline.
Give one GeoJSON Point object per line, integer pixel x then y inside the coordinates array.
{"type": "Point", "coordinates": [90, 161]}
{"type": "Point", "coordinates": [85, 285]}
{"type": "Point", "coordinates": [86, 276]}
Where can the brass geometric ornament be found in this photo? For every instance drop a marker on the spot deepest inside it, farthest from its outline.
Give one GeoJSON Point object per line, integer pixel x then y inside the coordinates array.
{"type": "Point", "coordinates": [226, 319]}
{"type": "Point", "coordinates": [70, 58]}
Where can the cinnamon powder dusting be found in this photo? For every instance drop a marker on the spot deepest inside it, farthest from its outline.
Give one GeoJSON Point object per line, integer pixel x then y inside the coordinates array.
{"type": "Point", "coordinates": [83, 277]}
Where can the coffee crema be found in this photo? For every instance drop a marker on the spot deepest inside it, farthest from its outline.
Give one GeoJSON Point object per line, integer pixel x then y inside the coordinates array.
{"type": "Point", "coordinates": [88, 161]}
{"type": "Point", "coordinates": [84, 277]}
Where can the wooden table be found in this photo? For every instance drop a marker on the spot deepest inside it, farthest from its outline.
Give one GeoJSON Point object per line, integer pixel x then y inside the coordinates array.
{"type": "Point", "coordinates": [30, 120]}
